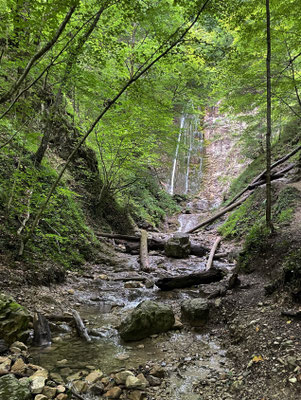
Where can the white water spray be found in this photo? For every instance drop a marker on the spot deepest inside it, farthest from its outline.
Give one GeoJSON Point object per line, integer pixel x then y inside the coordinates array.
{"type": "Point", "coordinates": [173, 173]}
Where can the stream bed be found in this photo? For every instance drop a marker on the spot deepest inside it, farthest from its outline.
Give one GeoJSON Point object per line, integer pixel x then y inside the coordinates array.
{"type": "Point", "coordinates": [187, 354]}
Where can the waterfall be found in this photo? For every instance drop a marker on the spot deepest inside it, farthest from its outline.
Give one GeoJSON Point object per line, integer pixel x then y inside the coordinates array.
{"type": "Point", "coordinates": [190, 133]}
{"type": "Point", "coordinates": [173, 173]}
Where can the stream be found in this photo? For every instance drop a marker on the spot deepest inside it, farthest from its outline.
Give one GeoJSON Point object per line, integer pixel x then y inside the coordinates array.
{"type": "Point", "coordinates": [103, 299]}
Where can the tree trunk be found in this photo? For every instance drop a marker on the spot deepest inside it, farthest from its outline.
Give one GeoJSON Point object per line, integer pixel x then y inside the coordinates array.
{"type": "Point", "coordinates": [144, 261]}
{"type": "Point", "coordinates": [269, 122]}
{"type": "Point", "coordinates": [212, 252]}
{"type": "Point", "coordinates": [179, 282]}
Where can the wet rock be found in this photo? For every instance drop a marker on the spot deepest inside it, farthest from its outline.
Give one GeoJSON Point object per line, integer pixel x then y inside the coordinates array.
{"type": "Point", "coordinates": [158, 371]}
{"type": "Point", "coordinates": [94, 377]}
{"type": "Point", "coordinates": [40, 397]}
{"type": "Point", "coordinates": [37, 385]}
{"type": "Point", "coordinates": [113, 393]}
{"type": "Point", "coordinates": [153, 380]}
{"type": "Point", "coordinates": [14, 320]}
{"type": "Point", "coordinates": [19, 367]}
{"type": "Point", "coordinates": [146, 319]}
{"type": "Point", "coordinates": [195, 311]}
{"type": "Point", "coordinates": [19, 345]}
{"type": "Point", "coordinates": [5, 363]}
{"type": "Point", "coordinates": [3, 347]}
{"type": "Point", "coordinates": [57, 378]}
{"type": "Point", "coordinates": [136, 395]}
{"type": "Point", "coordinates": [138, 382]}
{"type": "Point", "coordinates": [178, 246]}
{"type": "Point", "coordinates": [38, 380]}
{"type": "Point", "coordinates": [133, 285]}
{"type": "Point", "coordinates": [121, 377]}
{"type": "Point", "coordinates": [62, 396]}
{"type": "Point", "coordinates": [49, 392]}
{"type": "Point", "coordinates": [97, 389]}
{"type": "Point", "coordinates": [80, 386]}
{"type": "Point", "coordinates": [12, 389]}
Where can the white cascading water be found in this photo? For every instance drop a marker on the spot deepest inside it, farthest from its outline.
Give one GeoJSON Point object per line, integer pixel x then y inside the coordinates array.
{"type": "Point", "coordinates": [173, 173]}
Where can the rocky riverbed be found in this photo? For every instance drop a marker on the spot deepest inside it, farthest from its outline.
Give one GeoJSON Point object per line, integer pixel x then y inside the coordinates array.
{"type": "Point", "coordinates": [245, 350]}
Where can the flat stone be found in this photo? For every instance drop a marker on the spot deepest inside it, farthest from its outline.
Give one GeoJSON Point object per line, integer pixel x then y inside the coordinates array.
{"type": "Point", "coordinates": [80, 386]}
{"type": "Point", "coordinates": [57, 378]}
{"type": "Point", "coordinates": [5, 363]}
{"type": "Point", "coordinates": [113, 393]}
{"type": "Point", "coordinates": [94, 376]}
{"type": "Point", "coordinates": [49, 392]}
{"type": "Point", "coordinates": [134, 383]}
{"type": "Point", "coordinates": [121, 377]}
{"type": "Point", "coordinates": [37, 384]}
{"type": "Point", "coordinates": [143, 380]}
{"type": "Point", "coordinates": [136, 395]}
{"type": "Point", "coordinates": [158, 371]}
{"type": "Point", "coordinates": [19, 367]}
{"type": "Point", "coordinates": [122, 357]}
{"type": "Point", "coordinates": [20, 345]}
{"type": "Point", "coordinates": [40, 397]}
{"type": "Point", "coordinates": [62, 396]}
{"type": "Point", "coordinates": [40, 373]}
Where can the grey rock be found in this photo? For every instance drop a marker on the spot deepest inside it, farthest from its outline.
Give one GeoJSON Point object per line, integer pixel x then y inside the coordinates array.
{"type": "Point", "coordinates": [12, 389]}
{"type": "Point", "coordinates": [195, 311]}
{"type": "Point", "coordinates": [178, 246]}
{"type": "Point", "coordinates": [14, 320]}
{"type": "Point", "coordinates": [146, 319]}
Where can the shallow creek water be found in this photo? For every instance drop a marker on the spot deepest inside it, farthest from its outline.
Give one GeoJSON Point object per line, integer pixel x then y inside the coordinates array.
{"type": "Point", "coordinates": [187, 355]}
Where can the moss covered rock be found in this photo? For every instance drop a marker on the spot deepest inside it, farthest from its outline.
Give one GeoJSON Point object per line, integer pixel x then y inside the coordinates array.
{"type": "Point", "coordinates": [14, 320]}
{"type": "Point", "coordinates": [13, 389]}
{"type": "Point", "coordinates": [146, 319]}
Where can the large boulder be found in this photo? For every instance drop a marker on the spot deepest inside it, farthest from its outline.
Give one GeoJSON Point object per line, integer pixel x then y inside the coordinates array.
{"type": "Point", "coordinates": [12, 389]}
{"type": "Point", "coordinates": [195, 311]}
{"type": "Point", "coordinates": [146, 319]}
{"type": "Point", "coordinates": [14, 320]}
{"type": "Point", "coordinates": [178, 246]}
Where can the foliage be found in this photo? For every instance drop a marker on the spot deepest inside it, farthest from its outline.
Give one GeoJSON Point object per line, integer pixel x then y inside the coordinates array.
{"type": "Point", "coordinates": [148, 202]}
{"type": "Point", "coordinates": [63, 235]}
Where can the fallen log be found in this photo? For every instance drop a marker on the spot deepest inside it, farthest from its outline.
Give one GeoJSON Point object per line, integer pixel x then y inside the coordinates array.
{"type": "Point", "coordinates": [80, 326]}
{"type": "Point", "coordinates": [119, 236]}
{"type": "Point", "coordinates": [195, 250]}
{"type": "Point", "coordinates": [219, 214]}
{"type": "Point", "coordinates": [179, 282]}
{"type": "Point", "coordinates": [212, 252]}
{"type": "Point", "coordinates": [144, 261]}
{"type": "Point", "coordinates": [262, 174]}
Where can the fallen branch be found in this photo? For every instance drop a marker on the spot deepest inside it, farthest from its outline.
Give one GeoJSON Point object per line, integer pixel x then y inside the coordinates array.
{"type": "Point", "coordinates": [80, 327]}
{"type": "Point", "coordinates": [262, 174]}
{"type": "Point", "coordinates": [292, 314]}
{"type": "Point", "coordinates": [144, 261]}
{"type": "Point", "coordinates": [179, 282]}
{"type": "Point", "coordinates": [118, 236]}
{"type": "Point", "coordinates": [219, 214]}
{"type": "Point", "coordinates": [212, 252]}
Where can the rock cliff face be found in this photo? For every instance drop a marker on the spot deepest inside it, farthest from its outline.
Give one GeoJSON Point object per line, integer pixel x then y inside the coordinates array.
{"type": "Point", "coordinates": [222, 158]}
